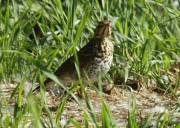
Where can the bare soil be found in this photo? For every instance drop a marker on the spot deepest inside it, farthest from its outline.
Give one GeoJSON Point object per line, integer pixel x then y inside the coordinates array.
{"type": "Point", "coordinates": [119, 102]}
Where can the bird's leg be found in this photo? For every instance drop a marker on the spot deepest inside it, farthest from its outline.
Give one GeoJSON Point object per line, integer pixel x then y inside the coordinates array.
{"type": "Point", "coordinates": [107, 88]}
{"type": "Point", "coordinates": [79, 93]}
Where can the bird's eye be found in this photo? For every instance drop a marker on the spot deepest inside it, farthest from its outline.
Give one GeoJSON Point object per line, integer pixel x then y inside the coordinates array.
{"type": "Point", "coordinates": [99, 26]}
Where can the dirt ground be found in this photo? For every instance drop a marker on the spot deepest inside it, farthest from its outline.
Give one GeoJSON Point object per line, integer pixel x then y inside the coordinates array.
{"type": "Point", "coordinates": [119, 102]}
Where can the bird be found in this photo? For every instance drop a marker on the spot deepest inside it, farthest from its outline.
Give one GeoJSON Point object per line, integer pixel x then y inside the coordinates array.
{"type": "Point", "coordinates": [95, 57]}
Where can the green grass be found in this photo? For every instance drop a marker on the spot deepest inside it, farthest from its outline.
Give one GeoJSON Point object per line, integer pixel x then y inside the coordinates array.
{"type": "Point", "coordinates": [36, 37]}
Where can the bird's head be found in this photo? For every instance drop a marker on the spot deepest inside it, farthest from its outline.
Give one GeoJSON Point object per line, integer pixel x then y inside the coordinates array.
{"type": "Point", "coordinates": [103, 30]}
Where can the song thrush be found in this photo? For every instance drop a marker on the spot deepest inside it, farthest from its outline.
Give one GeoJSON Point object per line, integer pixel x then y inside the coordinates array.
{"type": "Point", "coordinates": [95, 57]}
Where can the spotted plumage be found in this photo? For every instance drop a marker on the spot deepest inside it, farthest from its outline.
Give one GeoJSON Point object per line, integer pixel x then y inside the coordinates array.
{"type": "Point", "coordinates": [95, 57]}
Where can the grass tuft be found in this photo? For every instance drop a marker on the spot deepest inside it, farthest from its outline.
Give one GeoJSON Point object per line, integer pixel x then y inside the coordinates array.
{"type": "Point", "coordinates": [36, 37]}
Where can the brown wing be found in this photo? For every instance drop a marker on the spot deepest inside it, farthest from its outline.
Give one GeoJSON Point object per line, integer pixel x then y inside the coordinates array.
{"type": "Point", "coordinates": [84, 56]}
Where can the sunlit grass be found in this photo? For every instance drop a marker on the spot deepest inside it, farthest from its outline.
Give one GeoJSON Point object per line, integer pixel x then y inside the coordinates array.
{"type": "Point", "coordinates": [37, 37]}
